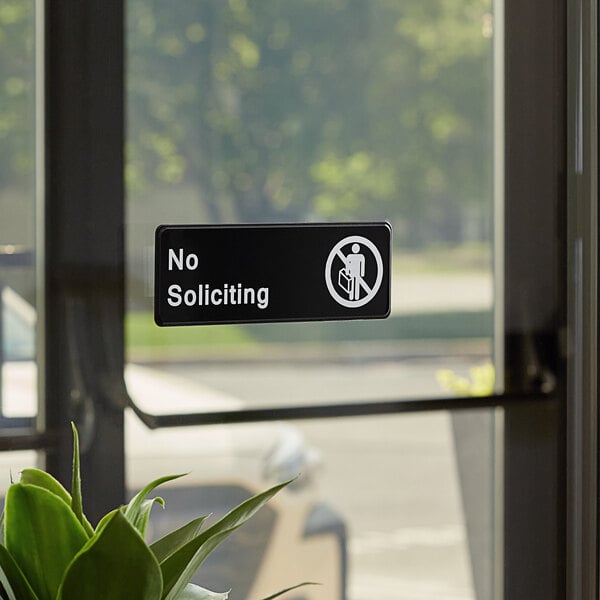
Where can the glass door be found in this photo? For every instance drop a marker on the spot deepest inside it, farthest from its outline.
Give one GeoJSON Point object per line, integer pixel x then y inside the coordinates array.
{"type": "Point", "coordinates": [322, 112]}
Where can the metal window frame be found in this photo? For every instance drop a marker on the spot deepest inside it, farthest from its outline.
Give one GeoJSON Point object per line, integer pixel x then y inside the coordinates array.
{"type": "Point", "coordinates": [535, 297]}
{"type": "Point", "coordinates": [583, 267]}
{"type": "Point", "coordinates": [82, 351]}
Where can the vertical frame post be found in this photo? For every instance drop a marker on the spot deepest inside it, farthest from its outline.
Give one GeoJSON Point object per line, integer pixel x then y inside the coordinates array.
{"type": "Point", "coordinates": [83, 254]}
{"type": "Point", "coordinates": [535, 298]}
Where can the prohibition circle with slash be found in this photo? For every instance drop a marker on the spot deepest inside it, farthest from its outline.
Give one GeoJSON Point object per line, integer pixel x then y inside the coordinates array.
{"type": "Point", "coordinates": [347, 284]}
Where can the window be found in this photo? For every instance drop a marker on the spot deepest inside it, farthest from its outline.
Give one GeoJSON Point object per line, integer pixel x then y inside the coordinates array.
{"type": "Point", "coordinates": [19, 277]}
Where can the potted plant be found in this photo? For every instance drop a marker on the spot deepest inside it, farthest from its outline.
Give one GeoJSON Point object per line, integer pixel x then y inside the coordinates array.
{"type": "Point", "coordinates": [50, 551]}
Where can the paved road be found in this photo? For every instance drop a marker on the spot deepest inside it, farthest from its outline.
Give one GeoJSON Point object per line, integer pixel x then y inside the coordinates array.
{"type": "Point", "coordinates": [393, 478]}
{"type": "Point", "coordinates": [395, 481]}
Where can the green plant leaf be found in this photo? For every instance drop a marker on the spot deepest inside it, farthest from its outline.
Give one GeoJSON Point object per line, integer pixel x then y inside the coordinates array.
{"type": "Point", "coordinates": [116, 564]}
{"type": "Point", "coordinates": [46, 481]}
{"type": "Point", "coordinates": [179, 568]}
{"type": "Point", "coordinates": [294, 587]}
{"type": "Point", "coordinates": [12, 579]}
{"type": "Point", "coordinates": [142, 519]}
{"type": "Point", "coordinates": [195, 592]}
{"type": "Point", "coordinates": [6, 591]}
{"type": "Point", "coordinates": [42, 535]}
{"type": "Point", "coordinates": [106, 519]}
{"type": "Point", "coordinates": [138, 509]}
{"type": "Point", "coordinates": [76, 497]}
{"type": "Point", "coordinates": [170, 543]}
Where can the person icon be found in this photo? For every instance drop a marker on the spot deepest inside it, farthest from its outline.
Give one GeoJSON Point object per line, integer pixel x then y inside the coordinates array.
{"type": "Point", "coordinates": [348, 262]}
{"type": "Point", "coordinates": [355, 269]}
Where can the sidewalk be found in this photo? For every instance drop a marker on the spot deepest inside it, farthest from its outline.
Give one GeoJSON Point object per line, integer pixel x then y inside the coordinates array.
{"type": "Point", "coordinates": [441, 292]}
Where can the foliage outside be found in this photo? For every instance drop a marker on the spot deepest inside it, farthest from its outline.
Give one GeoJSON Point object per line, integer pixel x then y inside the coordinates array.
{"type": "Point", "coordinates": [295, 110]}
{"type": "Point", "coordinates": [336, 109]}
{"type": "Point", "coordinates": [481, 382]}
{"type": "Point", "coordinates": [52, 552]}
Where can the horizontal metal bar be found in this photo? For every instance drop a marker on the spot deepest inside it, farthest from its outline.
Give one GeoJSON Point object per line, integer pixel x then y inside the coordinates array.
{"type": "Point", "coordinates": [328, 411]}
{"type": "Point", "coordinates": [26, 439]}
{"type": "Point", "coordinates": [19, 436]}
{"type": "Point", "coordinates": [13, 423]}
{"type": "Point", "coordinates": [18, 433]}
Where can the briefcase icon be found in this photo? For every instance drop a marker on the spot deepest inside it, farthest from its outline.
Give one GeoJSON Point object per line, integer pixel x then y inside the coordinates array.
{"type": "Point", "coordinates": [345, 281]}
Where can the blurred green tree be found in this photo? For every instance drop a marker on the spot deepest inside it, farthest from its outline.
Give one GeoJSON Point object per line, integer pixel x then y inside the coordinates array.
{"type": "Point", "coordinates": [295, 109]}
{"type": "Point", "coordinates": [17, 93]}
{"type": "Point", "coordinates": [316, 109]}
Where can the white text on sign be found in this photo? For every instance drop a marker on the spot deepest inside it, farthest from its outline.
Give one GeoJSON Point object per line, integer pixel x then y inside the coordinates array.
{"type": "Point", "coordinates": [228, 294]}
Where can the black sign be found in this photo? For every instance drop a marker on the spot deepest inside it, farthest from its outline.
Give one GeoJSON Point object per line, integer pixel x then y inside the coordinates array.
{"type": "Point", "coordinates": [271, 273]}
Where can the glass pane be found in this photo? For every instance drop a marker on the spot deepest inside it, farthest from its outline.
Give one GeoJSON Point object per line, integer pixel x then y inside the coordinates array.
{"type": "Point", "coordinates": [329, 111]}
{"type": "Point", "coordinates": [305, 111]}
{"type": "Point", "coordinates": [18, 392]}
{"type": "Point", "coordinates": [394, 508]}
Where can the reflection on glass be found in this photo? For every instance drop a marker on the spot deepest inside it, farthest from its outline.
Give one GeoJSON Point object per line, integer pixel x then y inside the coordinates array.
{"type": "Point", "coordinates": [418, 527]}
